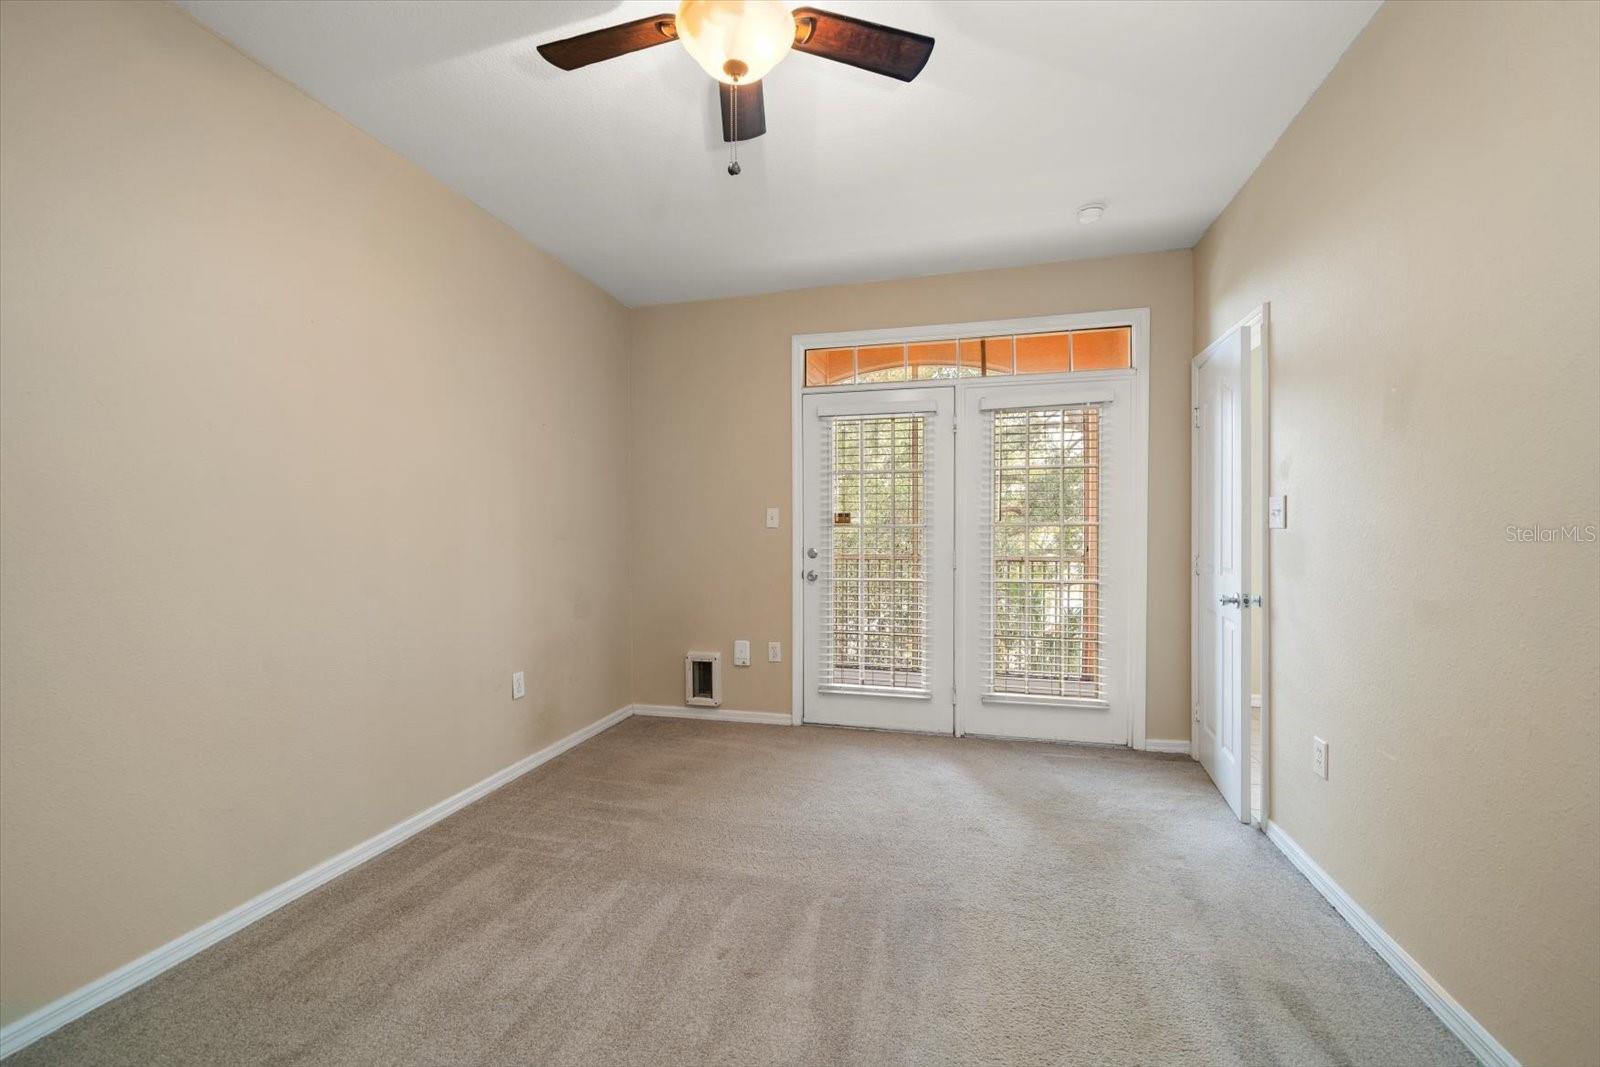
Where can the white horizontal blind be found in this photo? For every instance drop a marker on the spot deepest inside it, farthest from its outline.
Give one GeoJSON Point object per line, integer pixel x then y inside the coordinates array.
{"type": "Point", "coordinates": [874, 574]}
{"type": "Point", "coordinates": [1044, 625]}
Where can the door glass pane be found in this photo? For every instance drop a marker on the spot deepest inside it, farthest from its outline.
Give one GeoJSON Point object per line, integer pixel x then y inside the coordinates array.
{"type": "Point", "coordinates": [937, 360]}
{"type": "Point", "coordinates": [998, 355]}
{"type": "Point", "coordinates": [881, 363]}
{"type": "Point", "coordinates": [1044, 548]}
{"type": "Point", "coordinates": [972, 355]}
{"type": "Point", "coordinates": [1103, 349]}
{"type": "Point", "coordinates": [1042, 353]}
{"type": "Point", "coordinates": [830, 366]}
{"type": "Point", "coordinates": [874, 615]}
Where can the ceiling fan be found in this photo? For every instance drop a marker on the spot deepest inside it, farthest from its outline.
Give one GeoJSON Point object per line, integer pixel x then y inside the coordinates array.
{"type": "Point", "coordinates": [739, 41]}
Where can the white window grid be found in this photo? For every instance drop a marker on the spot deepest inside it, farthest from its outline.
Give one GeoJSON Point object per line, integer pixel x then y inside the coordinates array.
{"type": "Point", "coordinates": [1044, 632]}
{"type": "Point", "coordinates": [873, 566]}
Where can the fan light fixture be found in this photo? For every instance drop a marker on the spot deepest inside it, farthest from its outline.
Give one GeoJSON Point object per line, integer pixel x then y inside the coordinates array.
{"type": "Point", "coordinates": [736, 41]}
{"type": "Point", "coordinates": [739, 41]}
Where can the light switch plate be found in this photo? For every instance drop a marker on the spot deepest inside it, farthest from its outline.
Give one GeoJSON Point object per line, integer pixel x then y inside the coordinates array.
{"type": "Point", "coordinates": [741, 653]}
{"type": "Point", "coordinates": [1277, 513]}
{"type": "Point", "coordinates": [774, 651]}
{"type": "Point", "coordinates": [519, 687]}
{"type": "Point", "coordinates": [1319, 758]}
{"type": "Point", "coordinates": [772, 518]}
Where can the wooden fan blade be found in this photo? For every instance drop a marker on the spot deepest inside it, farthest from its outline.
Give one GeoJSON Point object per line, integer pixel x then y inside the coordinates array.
{"type": "Point", "coordinates": [752, 110]}
{"type": "Point", "coordinates": [867, 45]}
{"type": "Point", "coordinates": [611, 42]}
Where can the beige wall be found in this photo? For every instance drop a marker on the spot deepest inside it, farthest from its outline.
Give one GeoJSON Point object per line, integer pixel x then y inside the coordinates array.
{"type": "Point", "coordinates": [303, 455]}
{"type": "Point", "coordinates": [288, 435]}
{"type": "Point", "coordinates": [1428, 232]}
{"type": "Point", "coordinates": [711, 403]}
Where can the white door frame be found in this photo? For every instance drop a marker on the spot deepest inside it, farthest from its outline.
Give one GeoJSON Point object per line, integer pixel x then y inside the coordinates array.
{"type": "Point", "coordinates": [1259, 320]}
{"type": "Point", "coordinates": [1138, 318]}
{"type": "Point", "coordinates": [1038, 717]}
{"type": "Point", "coordinates": [931, 710]}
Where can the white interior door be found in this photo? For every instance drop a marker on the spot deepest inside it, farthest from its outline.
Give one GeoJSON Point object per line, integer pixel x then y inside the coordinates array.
{"type": "Point", "coordinates": [1222, 566]}
{"type": "Point", "coordinates": [878, 474]}
{"type": "Point", "coordinates": [1047, 573]}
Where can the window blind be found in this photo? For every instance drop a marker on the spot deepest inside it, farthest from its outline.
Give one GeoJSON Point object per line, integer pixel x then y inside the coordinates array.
{"type": "Point", "coordinates": [1044, 627]}
{"type": "Point", "coordinates": [874, 596]}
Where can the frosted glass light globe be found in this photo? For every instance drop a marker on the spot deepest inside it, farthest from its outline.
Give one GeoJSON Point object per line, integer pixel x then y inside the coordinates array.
{"type": "Point", "coordinates": [736, 41]}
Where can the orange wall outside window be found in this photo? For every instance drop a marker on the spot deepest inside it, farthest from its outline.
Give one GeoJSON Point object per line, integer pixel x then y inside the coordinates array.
{"type": "Point", "coordinates": [1102, 349]}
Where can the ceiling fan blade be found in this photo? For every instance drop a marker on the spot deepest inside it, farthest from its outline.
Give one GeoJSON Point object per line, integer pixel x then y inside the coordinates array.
{"type": "Point", "coordinates": [867, 45]}
{"type": "Point", "coordinates": [611, 42]}
{"type": "Point", "coordinates": [752, 110]}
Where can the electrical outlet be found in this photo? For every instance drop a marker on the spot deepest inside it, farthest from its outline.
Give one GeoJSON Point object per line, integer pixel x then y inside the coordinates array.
{"type": "Point", "coordinates": [774, 651]}
{"type": "Point", "coordinates": [741, 653]}
{"type": "Point", "coordinates": [519, 687]}
{"type": "Point", "coordinates": [772, 518]}
{"type": "Point", "coordinates": [1319, 757]}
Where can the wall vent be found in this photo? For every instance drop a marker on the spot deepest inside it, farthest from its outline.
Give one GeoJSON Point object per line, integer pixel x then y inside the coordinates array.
{"type": "Point", "coordinates": [702, 679]}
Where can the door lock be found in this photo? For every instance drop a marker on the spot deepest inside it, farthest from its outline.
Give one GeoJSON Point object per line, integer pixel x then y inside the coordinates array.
{"type": "Point", "coordinates": [811, 576]}
{"type": "Point", "coordinates": [1230, 600]}
{"type": "Point", "coordinates": [811, 553]}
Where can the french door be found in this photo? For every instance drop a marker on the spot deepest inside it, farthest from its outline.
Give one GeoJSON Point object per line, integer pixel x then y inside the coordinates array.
{"type": "Point", "coordinates": [1047, 572]}
{"type": "Point", "coordinates": [879, 477]}
{"type": "Point", "coordinates": [965, 559]}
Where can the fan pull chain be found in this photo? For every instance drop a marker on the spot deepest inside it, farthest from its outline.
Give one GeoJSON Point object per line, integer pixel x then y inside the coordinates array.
{"type": "Point", "coordinates": [733, 125]}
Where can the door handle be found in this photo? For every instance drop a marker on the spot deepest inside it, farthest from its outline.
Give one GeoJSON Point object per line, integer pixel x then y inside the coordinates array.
{"type": "Point", "coordinates": [1233, 600]}
{"type": "Point", "coordinates": [811, 576]}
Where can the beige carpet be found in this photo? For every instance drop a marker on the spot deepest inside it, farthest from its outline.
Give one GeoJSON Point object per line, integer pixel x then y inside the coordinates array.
{"type": "Point", "coordinates": [679, 892]}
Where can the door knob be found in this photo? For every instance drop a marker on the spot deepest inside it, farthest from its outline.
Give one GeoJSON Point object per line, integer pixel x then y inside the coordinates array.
{"type": "Point", "coordinates": [1229, 600]}
{"type": "Point", "coordinates": [811, 576]}
{"type": "Point", "coordinates": [811, 553]}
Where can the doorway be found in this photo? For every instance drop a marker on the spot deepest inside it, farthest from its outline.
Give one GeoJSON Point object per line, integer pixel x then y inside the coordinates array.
{"type": "Point", "coordinates": [971, 546]}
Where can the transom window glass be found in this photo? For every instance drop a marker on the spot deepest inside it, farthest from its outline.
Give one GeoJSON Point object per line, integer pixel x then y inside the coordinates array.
{"type": "Point", "coordinates": [1044, 581]}
{"type": "Point", "coordinates": [875, 607]}
{"type": "Point", "coordinates": [972, 357]}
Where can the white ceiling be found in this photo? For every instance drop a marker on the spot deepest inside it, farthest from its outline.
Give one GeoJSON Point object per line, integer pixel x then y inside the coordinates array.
{"type": "Point", "coordinates": [1026, 111]}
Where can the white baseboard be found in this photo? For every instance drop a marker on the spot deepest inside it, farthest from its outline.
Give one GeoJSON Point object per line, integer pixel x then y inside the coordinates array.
{"type": "Point", "coordinates": [669, 711]}
{"type": "Point", "coordinates": [1178, 745]}
{"type": "Point", "coordinates": [35, 1025]}
{"type": "Point", "coordinates": [1479, 1041]}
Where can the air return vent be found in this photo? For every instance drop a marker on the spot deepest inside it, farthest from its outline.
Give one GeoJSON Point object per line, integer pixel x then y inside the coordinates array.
{"type": "Point", "coordinates": [702, 679]}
